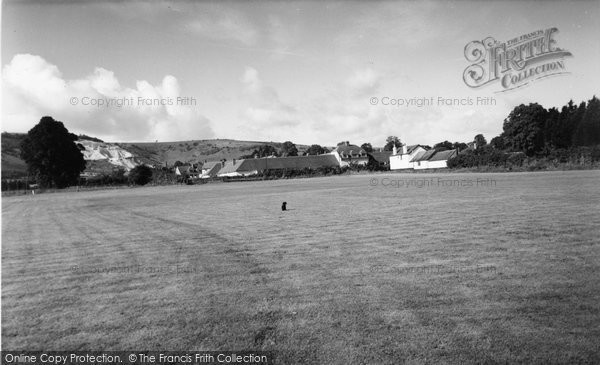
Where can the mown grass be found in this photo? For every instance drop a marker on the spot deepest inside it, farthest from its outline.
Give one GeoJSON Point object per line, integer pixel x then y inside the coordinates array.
{"type": "Point", "coordinates": [354, 273]}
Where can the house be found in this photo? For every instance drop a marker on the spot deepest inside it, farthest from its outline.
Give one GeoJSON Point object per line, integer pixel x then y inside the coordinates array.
{"type": "Point", "coordinates": [350, 154]}
{"type": "Point", "coordinates": [380, 158]}
{"type": "Point", "coordinates": [232, 168]}
{"type": "Point", "coordinates": [186, 171]}
{"type": "Point", "coordinates": [254, 166]}
{"type": "Point", "coordinates": [436, 160]}
{"type": "Point", "coordinates": [210, 169]}
{"type": "Point", "coordinates": [403, 160]}
{"type": "Point", "coordinates": [418, 158]}
{"type": "Point", "coordinates": [183, 170]}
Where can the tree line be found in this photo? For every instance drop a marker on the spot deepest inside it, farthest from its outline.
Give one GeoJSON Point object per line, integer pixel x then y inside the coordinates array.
{"type": "Point", "coordinates": [542, 137]}
{"type": "Point", "coordinates": [532, 129]}
{"type": "Point", "coordinates": [54, 160]}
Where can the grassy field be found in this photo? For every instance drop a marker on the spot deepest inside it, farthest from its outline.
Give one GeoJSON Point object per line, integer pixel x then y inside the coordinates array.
{"type": "Point", "coordinates": [368, 269]}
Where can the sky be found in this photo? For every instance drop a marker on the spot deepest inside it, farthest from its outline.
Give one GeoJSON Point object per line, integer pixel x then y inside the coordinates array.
{"type": "Point", "coordinates": [313, 72]}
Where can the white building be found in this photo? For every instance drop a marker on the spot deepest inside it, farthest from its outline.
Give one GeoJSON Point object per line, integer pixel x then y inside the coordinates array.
{"type": "Point", "coordinates": [399, 161]}
{"type": "Point", "coordinates": [418, 158]}
{"type": "Point", "coordinates": [348, 154]}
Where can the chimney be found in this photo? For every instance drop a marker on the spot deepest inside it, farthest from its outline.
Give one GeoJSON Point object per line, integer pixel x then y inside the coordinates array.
{"type": "Point", "coordinates": [394, 151]}
{"type": "Point", "coordinates": [404, 150]}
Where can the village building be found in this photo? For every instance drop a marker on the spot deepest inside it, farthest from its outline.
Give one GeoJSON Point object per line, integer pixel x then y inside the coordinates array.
{"type": "Point", "coordinates": [183, 170]}
{"type": "Point", "coordinates": [434, 160]}
{"type": "Point", "coordinates": [349, 154]}
{"type": "Point", "coordinates": [403, 159]}
{"type": "Point", "coordinates": [379, 158]}
{"type": "Point", "coordinates": [254, 166]}
{"type": "Point", "coordinates": [418, 158]}
{"type": "Point", "coordinates": [210, 169]}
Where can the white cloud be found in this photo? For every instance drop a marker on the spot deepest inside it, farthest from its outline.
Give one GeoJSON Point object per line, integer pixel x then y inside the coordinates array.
{"type": "Point", "coordinates": [33, 88]}
{"type": "Point", "coordinates": [265, 108]}
{"type": "Point", "coordinates": [224, 25]}
{"type": "Point", "coordinates": [364, 82]}
{"type": "Point", "coordinates": [345, 113]}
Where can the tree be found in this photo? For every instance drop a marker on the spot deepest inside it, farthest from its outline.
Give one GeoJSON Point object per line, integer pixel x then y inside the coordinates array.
{"type": "Point", "coordinates": [51, 154]}
{"type": "Point", "coordinates": [289, 149]}
{"type": "Point", "coordinates": [266, 151]}
{"type": "Point", "coordinates": [523, 128]}
{"type": "Point", "coordinates": [315, 149]}
{"type": "Point", "coordinates": [574, 122]}
{"type": "Point", "coordinates": [552, 129]}
{"type": "Point", "coordinates": [498, 142]}
{"type": "Point", "coordinates": [140, 175]}
{"type": "Point", "coordinates": [459, 146]}
{"type": "Point", "coordinates": [479, 141]}
{"type": "Point", "coordinates": [563, 137]}
{"type": "Point", "coordinates": [367, 147]}
{"type": "Point", "coordinates": [390, 142]}
{"type": "Point", "coordinates": [443, 146]}
{"type": "Point", "coordinates": [588, 131]}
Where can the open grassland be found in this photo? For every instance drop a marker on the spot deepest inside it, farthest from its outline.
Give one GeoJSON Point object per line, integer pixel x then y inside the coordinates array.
{"type": "Point", "coordinates": [358, 272]}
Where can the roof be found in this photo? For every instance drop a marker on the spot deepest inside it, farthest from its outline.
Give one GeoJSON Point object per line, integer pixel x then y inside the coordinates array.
{"type": "Point", "coordinates": [292, 162]}
{"type": "Point", "coordinates": [443, 155]}
{"type": "Point", "coordinates": [433, 155]}
{"type": "Point", "coordinates": [184, 168]}
{"type": "Point", "coordinates": [411, 148]}
{"type": "Point", "coordinates": [383, 156]}
{"type": "Point", "coordinates": [423, 156]}
{"type": "Point", "coordinates": [229, 166]}
{"type": "Point", "coordinates": [210, 164]}
{"type": "Point", "coordinates": [350, 150]}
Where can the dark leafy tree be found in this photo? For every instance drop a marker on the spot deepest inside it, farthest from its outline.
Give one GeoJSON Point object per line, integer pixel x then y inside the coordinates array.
{"type": "Point", "coordinates": [390, 142]}
{"type": "Point", "coordinates": [480, 141]}
{"type": "Point", "coordinates": [140, 175]}
{"type": "Point", "coordinates": [498, 142]}
{"type": "Point", "coordinates": [367, 147]}
{"type": "Point", "coordinates": [563, 137]}
{"type": "Point", "coordinates": [523, 128]}
{"type": "Point", "coordinates": [588, 131]}
{"type": "Point", "coordinates": [443, 146]}
{"type": "Point", "coordinates": [266, 151]}
{"type": "Point", "coordinates": [52, 155]}
{"type": "Point", "coordinates": [315, 149]}
{"type": "Point", "coordinates": [552, 129]}
{"type": "Point", "coordinates": [459, 146]}
{"type": "Point", "coordinates": [574, 122]}
{"type": "Point", "coordinates": [289, 149]}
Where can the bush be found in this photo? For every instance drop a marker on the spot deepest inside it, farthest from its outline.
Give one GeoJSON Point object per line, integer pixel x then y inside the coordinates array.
{"type": "Point", "coordinates": [140, 175]}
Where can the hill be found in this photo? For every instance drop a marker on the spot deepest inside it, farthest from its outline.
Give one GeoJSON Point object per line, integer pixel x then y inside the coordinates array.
{"type": "Point", "coordinates": [104, 156]}
{"type": "Point", "coordinates": [12, 165]}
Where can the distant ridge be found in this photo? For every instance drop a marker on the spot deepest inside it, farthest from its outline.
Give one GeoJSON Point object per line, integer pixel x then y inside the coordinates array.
{"type": "Point", "coordinates": [106, 156]}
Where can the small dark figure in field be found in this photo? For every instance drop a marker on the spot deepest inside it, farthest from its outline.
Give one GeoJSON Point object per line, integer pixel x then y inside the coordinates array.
{"type": "Point", "coordinates": [283, 206]}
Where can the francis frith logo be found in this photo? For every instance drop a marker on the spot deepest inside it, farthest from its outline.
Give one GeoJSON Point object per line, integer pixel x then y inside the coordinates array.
{"type": "Point", "coordinates": [516, 62]}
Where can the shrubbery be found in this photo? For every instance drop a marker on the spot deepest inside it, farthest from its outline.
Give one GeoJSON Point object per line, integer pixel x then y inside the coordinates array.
{"type": "Point", "coordinates": [490, 157]}
{"type": "Point", "coordinates": [140, 175]}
